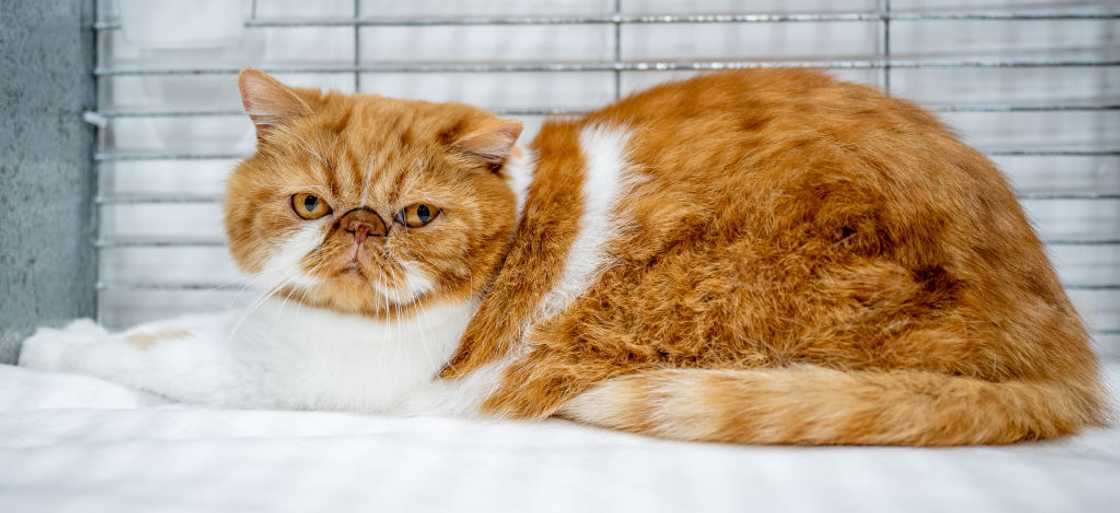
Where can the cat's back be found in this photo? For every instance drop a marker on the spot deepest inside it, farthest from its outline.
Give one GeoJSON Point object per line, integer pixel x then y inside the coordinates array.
{"type": "Point", "coordinates": [764, 151]}
{"type": "Point", "coordinates": [722, 126]}
{"type": "Point", "coordinates": [841, 207]}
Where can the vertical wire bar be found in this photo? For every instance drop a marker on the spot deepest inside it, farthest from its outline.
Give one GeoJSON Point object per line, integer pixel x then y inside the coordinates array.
{"type": "Point", "coordinates": [885, 13]}
{"type": "Point", "coordinates": [617, 15]}
{"type": "Point", "coordinates": [357, 47]}
{"type": "Point", "coordinates": [95, 209]}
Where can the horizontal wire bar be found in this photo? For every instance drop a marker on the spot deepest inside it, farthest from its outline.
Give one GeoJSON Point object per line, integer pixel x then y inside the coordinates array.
{"type": "Point", "coordinates": [167, 113]}
{"type": "Point", "coordinates": [1082, 241]}
{"type": "Point", "coordinates": [158, 242]}
{"type": "Point", "coordinates": [1052, 153]}
{"type": "Point", "coordinates": [623, 19]}
{"type": "Point", "coordinates": [1068, 195]}
{"type": "Point", "coordinates": [161, 155]}
{"type": "Point", "coordinates": [1092, 286]}
{"type": "Point", "coordinates": [179, 198]}
{"type": "Point", "coordinates": [1069, 107]}
{"type": "Point", "coordinates": [148, 285]}
{"type": "Point", "coordinates": [170, 286]}
{"type": "Point", "coordinates": [652, 65]}
{"type": "Point", "coordinates": [152, 198]}
{"type": "Point", "coordinates": [176, 113]}
{"type": "Point", "coordinates": [177, 241]}
{"type": "Point", "coordinates": [106, 156]}
{"type": "Point", "coordinates": [560, 111]}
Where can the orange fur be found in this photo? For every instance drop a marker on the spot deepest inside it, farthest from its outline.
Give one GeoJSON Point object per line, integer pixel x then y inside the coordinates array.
{"type": "Point", "coordinates": [804, 261]}
{"type": "Point", "coordinates": [145, 340]}
{"type": "Point", "coordinates": [391, 153]}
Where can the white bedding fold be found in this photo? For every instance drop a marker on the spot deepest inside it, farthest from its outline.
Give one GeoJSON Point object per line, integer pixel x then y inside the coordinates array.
{"type": "Point", "coordinates": [71, 443]}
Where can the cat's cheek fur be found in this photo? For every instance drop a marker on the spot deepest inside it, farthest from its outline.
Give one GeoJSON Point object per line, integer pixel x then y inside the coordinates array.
{"type": "Point", "coordinates": [416, 283]}
{"type": "Point", "coordinates": [285, 264]}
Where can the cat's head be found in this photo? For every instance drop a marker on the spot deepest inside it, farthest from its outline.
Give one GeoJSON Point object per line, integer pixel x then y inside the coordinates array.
{"type": "Point", "coordinates": [367, 204]}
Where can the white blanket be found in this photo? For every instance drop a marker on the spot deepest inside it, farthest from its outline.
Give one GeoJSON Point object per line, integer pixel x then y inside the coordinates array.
{"type": "Point", "coordinates": [71, 443]}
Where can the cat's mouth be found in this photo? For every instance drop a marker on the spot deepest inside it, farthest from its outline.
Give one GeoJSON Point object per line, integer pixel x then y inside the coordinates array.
{"type": "Point", "coordinates": [392, 283]}
{"type": "Point", "coordinates": [354, 264]}
{"type": "Point", "coordinates": [351, 268]}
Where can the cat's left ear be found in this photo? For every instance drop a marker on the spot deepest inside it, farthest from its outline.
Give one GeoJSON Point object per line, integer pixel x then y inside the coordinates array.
{"type": "Point", "coordinates": [269, 102]}
{"type": "Point", "coordinates": [491, 140]}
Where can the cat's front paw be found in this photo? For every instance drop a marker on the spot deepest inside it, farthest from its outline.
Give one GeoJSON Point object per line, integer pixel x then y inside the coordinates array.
{"type": "Point", "coordinates": [49, 348]}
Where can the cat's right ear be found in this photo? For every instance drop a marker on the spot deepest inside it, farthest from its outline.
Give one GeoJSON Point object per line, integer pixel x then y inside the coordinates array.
{"type": "Point", "coordinates": [267, 101]}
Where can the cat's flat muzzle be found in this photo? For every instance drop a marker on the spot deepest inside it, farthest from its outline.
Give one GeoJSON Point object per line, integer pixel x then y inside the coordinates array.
{"type": "Point", "coordinates": [363, 222]}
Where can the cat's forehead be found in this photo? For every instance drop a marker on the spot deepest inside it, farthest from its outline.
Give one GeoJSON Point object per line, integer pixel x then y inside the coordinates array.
{"type": "Point", "coordinates": [372, 146]}
{"type": "Point", "coordinates": [361, 128]}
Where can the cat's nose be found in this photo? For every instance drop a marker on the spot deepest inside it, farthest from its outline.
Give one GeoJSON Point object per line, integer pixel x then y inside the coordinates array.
{"type": "Point", "coordinates": [363, 222]}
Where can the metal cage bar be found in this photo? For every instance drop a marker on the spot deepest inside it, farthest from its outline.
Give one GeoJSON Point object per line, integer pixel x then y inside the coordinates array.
{"type": "Point", "coordinates": [106, 156]}
{"type": "Point", "coordinates": [172, 113]}
{"type": "Point", "coordinates": [615, 66]}
{"type": "Point", "coordinates": [884, 61]}
{"type": "Point", "coordinates": [618, 18]}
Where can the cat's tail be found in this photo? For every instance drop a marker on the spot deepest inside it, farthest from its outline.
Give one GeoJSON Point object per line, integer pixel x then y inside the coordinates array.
{"type": "Point", "coordinates": [815, 405]}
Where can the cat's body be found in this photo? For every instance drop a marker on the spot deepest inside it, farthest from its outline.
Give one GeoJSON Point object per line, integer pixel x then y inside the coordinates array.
{"type": "Point", "coordinates": [764, 256]}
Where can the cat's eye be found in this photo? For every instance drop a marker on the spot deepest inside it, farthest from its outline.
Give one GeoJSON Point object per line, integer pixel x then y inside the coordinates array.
{"type": "Point", "coordinates": [309, 206]}
{"type": "Point", "coordinates": [415, 216]}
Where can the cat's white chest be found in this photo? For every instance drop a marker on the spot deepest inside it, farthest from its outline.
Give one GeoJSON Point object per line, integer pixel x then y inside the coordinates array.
{"type": "Point", "coordinates": [319, 359]}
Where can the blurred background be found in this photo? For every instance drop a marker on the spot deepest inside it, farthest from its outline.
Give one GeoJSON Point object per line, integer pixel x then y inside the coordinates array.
{"type": "Point", "coordinates": [125, 120]}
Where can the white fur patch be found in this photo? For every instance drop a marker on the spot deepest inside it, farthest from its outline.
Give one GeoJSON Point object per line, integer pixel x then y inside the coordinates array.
{"type": "Point", "coordinates": [416, 281]}
{"type": "Point", "coordinates": [459, 397]}
{"type": "Point", "coordinates": [597, 405]}
{"type": "Point", "coordinates": [607, 177]}
{"type": "Point", "coordinates": [284, 265]}
{"type": "Point", "coordinates": [416, 284]}
{"type": "Point", "coordinates": [322, 359]}
{"type": "Point", "coordinates": [284, 355]}
{"type": "Point", "coordinates": [519, 171]}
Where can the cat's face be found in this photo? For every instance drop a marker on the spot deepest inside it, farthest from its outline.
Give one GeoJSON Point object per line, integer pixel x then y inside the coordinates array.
{"type": "Point", "coordinates": [369, 204]}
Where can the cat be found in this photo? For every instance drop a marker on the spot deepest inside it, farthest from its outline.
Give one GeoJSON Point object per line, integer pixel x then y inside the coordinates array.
{"type": "Point", "coordinates": [763, 256]}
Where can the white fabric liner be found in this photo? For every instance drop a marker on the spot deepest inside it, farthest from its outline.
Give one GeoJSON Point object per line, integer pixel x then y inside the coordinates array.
{"type": "Point", "coordinates": [73, 443]}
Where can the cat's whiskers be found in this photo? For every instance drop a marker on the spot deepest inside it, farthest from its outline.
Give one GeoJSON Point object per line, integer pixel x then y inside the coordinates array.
{"type": "Point", "coordinates": [400, 349]}
{"type": "Point", "coordinates": [302, 292]}
{"type": "Point", "coordinates": [249, 286]}
{"type": "Point", "coordinates": [259, 302]}
{"type": "Point", "coordinates": [397, 314]}
{"type": "Point", "coordinates": [390, 327]}
{"type": "Point", "coordinates": [395, 323]}
{"type": "Point", "coordinates": [424, 338]}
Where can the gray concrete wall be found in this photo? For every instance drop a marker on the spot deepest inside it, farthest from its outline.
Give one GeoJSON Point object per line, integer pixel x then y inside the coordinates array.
{"type": "Point", "coordinates": [47, 263]}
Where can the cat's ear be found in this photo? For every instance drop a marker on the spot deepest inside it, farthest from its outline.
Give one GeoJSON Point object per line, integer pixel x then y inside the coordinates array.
{"type": "Point", "coordinates": [490, 140]}
{"type": "Point", "coordinates": [268, 102]}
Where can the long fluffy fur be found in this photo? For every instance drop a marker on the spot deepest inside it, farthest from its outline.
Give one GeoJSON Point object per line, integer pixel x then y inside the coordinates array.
{"type": "Point", "coordinates": [765, 256]}
{"type": "Point", "coordinates": [855, 272]}
{"type": "Point", "coordinates": [814, 405]}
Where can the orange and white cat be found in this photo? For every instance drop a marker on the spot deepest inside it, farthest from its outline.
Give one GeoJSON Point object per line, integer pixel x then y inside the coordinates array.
{"type": "Point", "coordinates": [764, 256]}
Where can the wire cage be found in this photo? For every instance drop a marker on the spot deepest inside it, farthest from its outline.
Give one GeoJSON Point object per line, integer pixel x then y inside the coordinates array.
{"type": "Point", "coordinates": [1034, 85]}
